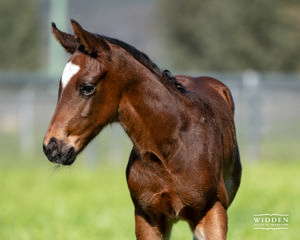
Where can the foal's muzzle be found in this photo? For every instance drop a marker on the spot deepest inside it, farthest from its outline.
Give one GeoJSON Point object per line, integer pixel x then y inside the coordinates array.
{"type": "Point", "coordinates": [58, 152]}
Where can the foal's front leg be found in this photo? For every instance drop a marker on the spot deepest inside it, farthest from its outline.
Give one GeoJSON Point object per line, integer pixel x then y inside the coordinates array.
{"type": "Point", "coordinates": [213, 226]}
{"type": "Point", "coordinates": [149, 229]}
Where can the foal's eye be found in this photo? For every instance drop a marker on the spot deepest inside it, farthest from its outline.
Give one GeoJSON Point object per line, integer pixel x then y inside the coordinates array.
{"type": "Point", "coordinates": [87, 89]}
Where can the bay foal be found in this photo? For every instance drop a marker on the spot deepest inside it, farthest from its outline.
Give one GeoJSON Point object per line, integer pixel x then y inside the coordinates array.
{"type": "Point", "coordinates": [185, 162]}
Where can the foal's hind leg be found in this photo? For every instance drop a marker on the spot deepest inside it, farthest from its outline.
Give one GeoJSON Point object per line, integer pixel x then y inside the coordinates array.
{"type": "Point", "coordinates": [149, 229]}
{"type": "Point", "coordinates": [213, 226]}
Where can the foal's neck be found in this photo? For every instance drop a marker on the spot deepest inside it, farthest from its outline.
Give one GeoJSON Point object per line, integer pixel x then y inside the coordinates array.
{"type": "Point", "coordinates": [150, 114]}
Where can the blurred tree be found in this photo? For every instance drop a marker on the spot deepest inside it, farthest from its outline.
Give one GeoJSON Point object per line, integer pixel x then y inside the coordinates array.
{"type": "Point", "coordinates": [20, 35]}
{"type": "Point", "coordinates": [233, 35]}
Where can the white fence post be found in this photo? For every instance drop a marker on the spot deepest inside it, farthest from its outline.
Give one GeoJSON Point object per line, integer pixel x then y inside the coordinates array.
{"type": "Point", "coordinates": [58, 12]}
{"type": "Point", "coordinates": [26, 118]}
{"type": "Point", "coordinates": [251, 85]}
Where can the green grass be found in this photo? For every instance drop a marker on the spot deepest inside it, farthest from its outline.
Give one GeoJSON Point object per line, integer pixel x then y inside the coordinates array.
{"type": "Point", "coordinates": [266, 188]}
{"type": "Point", "coordinates": [76, 203]}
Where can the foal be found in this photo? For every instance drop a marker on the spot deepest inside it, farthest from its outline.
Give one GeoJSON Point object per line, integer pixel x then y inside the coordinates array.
{"type": "Point", "coordinates": [185, 162]}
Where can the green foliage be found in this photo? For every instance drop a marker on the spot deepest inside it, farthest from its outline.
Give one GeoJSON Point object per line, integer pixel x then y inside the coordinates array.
{"type": "Point", "coordinates": [76, 203]}
{"type": "Point", "coordinates": [20, 34]}
{"type": "Point", "coordinates": [232, 35]}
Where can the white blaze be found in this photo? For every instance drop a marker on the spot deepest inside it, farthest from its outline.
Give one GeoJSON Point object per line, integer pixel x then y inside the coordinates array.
{"type": "Point", "coordinates": [70, 70]}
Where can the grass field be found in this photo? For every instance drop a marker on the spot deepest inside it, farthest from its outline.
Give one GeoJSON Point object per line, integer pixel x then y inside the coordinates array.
{"type": "Point", "coordinates": [73, 203]}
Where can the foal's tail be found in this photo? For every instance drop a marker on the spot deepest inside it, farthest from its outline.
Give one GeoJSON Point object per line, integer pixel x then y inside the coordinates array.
{"type": "Point", "coordinates": [233, 182]}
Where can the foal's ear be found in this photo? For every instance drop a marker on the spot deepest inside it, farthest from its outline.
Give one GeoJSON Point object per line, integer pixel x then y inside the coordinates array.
{"type": "Point", "coordinates": [92, 43]}
{"type": "Point", "coordinates": [68, 41]}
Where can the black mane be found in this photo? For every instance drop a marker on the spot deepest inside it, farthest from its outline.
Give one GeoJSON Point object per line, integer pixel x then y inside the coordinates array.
{"type": "Point", "coordinates": [147, 62]}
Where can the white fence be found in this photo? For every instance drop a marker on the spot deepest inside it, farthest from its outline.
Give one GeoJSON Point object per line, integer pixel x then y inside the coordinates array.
{"type": "Point", "coordinates": [267, 117]}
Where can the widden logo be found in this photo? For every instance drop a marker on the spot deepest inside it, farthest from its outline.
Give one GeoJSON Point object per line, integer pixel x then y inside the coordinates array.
{"type": "Point", "coordinates": [271, 221]}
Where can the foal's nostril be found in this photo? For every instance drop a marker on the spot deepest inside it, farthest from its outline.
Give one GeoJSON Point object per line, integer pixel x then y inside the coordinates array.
{"type": "Point", "coordinates": [54, 153]}
{"type": "Point", "coordinates": [53, 147]}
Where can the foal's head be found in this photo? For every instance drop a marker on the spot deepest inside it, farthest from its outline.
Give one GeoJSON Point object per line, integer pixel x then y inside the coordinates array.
{"type": "Point", "coordinates": [89, 93]}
